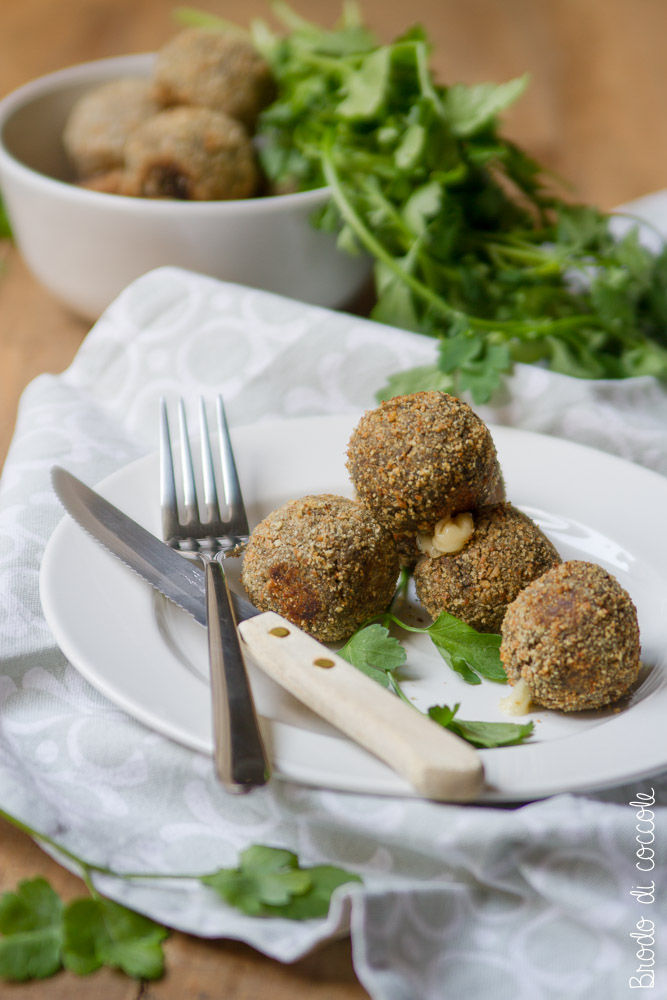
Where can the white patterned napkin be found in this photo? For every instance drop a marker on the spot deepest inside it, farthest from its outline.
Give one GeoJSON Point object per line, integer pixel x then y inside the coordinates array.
{"type": "Point", "coordinates": [532, 902]}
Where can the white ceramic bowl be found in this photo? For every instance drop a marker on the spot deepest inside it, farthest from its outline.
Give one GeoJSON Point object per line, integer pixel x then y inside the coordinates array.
{"type": "Point", "coordinates": [85, 246]}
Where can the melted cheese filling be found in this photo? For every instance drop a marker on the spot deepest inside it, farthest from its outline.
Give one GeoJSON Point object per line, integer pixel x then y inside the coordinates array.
{"type": "Point", "coordinates": [518, 701]}
{"type": "Point", "coordinates": [449, 535]}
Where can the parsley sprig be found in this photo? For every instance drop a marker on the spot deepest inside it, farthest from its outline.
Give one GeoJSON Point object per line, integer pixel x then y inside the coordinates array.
{"type": "Point", "coordinates": [473, 655]}
{"type": "Point", "coordinates": [269, 882]}
{"type": "Point", "coordinates": [40, 934]}
{"type": "Point", "coordinates": [471, 241]}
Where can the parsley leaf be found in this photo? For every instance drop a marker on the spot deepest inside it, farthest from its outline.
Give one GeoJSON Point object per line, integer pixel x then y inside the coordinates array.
{"type": "Point", "coordinates": [481, 734]}
{"type": "Point", "coordinates": [41, 935]}
{"type": "Point", "coordinates": [366, 87]}
{"type": "Point", "coordinates": [31, 925]}
{"type": "Point", "coordinates": [314, 903]}
{"type": "Point", "coordinates": [415, 380]}
{"type": "Point", "coordinates": [472, 654]}
{"type": "Point", "coordinates": [269, 882]}
{"type": "Point", "coordinates": [376, 653]}
{"type": "Point", "coordinates": [99, 932]}
{"type": "Point", "coordinates": [470, 109]}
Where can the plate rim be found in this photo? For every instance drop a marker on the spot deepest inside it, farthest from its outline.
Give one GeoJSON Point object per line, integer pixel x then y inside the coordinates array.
{"type": "Point", "coordinates": [284, 730]}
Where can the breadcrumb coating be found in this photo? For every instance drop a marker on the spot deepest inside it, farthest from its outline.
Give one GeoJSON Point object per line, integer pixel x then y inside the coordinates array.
{"type": "Point", "coordinates": [323, 563]}
{"type": "Point", "coordinates": [101, 121]}
{"type": "Point", "coordinates": [191, 154]}
{"type": "Point", "coordinates": [506, 552]}
{"type": "Point", "coordinates": [214, 69]}
{"type": "Point", "coordinates": [573, 636]}
{"type": "Point", "coordinates": [419, 458]}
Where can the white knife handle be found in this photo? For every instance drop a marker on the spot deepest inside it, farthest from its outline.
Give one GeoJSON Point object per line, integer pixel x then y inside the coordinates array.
{"type": "Point", "coordinates": [436, 762]}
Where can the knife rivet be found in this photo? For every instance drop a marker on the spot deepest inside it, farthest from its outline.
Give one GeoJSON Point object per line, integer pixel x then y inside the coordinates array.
{"type": "Point", "coordinates": [322, 661]}
{"type": "Point", "coordinates": [279, 631]}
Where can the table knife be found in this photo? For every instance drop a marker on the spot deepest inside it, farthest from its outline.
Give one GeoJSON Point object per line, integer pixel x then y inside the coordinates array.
{"type": "Point", "coordinates": [437, 763]}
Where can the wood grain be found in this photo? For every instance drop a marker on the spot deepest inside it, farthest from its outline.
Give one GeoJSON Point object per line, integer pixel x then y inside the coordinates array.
{"type": "Point", "coordinates": [594, 113]}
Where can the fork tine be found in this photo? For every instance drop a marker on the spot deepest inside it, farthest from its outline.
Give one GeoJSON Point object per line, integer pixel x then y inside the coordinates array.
{"type": "Point", "coordinates": [190, 504]}
{"type": "Point", "coordinates": [238, 520]}
{"type": "Point", "coordinates": [168, 501]}
{"type": "Point", "coordinates": [211, 504]}
{"type": "Point", "coordinates": [240, 757]}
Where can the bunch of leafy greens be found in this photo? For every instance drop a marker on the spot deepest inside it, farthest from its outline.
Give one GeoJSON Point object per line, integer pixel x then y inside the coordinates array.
{"type": "Point", "coordinates": [40, 935]}
{"type": "Point", "coordinates": [470, 653]}
{"type": "Point", "coordinates": [470, 242]}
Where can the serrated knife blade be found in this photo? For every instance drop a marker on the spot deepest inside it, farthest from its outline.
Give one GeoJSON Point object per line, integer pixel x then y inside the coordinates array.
{"type": "Point", "coordinates": [180, 580]}
{"type": "Point", "coordinates": [433, 760]}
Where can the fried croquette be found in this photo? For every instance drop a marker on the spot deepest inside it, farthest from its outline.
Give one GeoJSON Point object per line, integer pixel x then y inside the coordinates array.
{"type": "Point", "coordinates": [190, 154]}
{"type": "Point", "coordinates": [419, 458]}
{"type": "Point", "coordinates": [506, 551]}
{"type": "Point", "coordinates": [572, 636]}
{"type": "Point", "coordinates": [214, 69]}
{"type": "Point", "coordinates": [322, 562]}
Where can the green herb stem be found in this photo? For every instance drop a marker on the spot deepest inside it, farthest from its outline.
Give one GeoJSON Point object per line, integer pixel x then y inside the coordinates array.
{"type": "Point", "coordinates": [373, 245]}
{"type": "Point", "coordinates": [86, 867]}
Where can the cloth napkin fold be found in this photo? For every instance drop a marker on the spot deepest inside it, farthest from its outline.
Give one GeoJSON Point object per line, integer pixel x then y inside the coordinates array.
{"type": "Point", "coordinates": [456, 901]}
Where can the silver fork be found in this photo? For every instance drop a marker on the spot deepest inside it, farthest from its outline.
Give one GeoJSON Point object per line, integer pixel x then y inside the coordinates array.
{"type": "Point", "coordinates": [240, 758]}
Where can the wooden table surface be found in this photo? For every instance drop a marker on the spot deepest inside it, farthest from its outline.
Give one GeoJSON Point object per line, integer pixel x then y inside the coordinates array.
{"type": "Point", "coordinates": [595, 112]}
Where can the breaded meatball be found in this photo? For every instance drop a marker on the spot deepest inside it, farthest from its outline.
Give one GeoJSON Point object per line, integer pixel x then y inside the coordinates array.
{"type": "Point", "coordinates": [419, 458]}
{"type": "Point", "coordinates": [506, 552]}
{"type": "Point", "coordinates": [101, 121]}
{"type": "Point", "coordinates": [192, 154]}
{"type": "Point", "coordinates": [572, 636]}
{"type": "Point", "coordinates": [322, 562]}
{"type": "Point", "coordinates": [214, 69]}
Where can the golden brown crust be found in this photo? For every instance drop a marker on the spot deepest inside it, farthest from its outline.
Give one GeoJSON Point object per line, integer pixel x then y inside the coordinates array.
{"type": "Point", "coordinates": [190, 154]}
{"type": "Point", "coordinates": [573, 636]}
{"type": "Point", "coordinates": [422, 457]}
{"type": "Point", "coordinates": [216, 70]}
{"type": "Point", "coordinates": [323, 563]}
{"type": "Point", "coordinates": [101, 121]}
{"type": "Point", "coordinates": [505, 553]}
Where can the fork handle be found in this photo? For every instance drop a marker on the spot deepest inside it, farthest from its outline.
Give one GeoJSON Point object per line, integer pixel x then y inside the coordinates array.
{"type": "Point", "coordinates": [434, 760]}
{"type": "Point", "coordinates": [240, 758]}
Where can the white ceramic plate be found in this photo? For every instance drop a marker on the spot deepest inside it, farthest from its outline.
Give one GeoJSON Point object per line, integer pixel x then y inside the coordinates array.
{"type": "Point", "coordinates": [149, 657]}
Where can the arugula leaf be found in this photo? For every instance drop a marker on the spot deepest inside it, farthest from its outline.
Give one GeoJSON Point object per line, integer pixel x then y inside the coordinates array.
{"type": "Point", "coordinates": [269, 882]}
{"type": "Point", "coordinates": [472, 654]}
{"type": "Point", "coordinates": [376, 653]}
{"type": "Point", "coordinates": [481, 734]}
{"type": "Point", "coordinates": [31, 925]}
{"type": "Point", "coordinates": [99, 932]}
